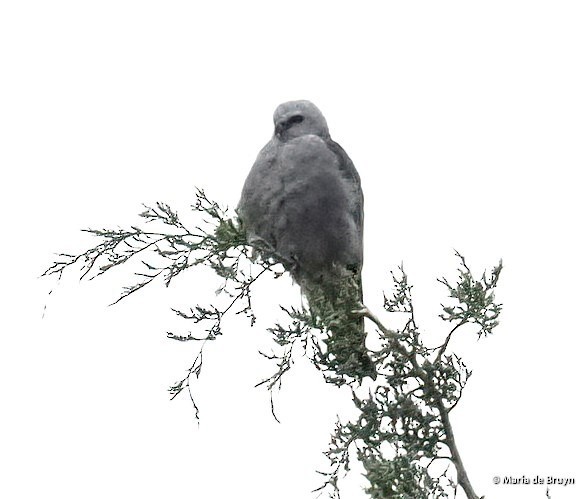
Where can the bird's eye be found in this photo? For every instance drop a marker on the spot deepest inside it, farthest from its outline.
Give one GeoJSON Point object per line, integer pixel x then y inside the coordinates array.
{"type": "Point", "coordinates": [297, 118]}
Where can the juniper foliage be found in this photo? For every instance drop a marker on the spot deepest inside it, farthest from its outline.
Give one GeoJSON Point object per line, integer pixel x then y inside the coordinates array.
{"type": "Point", "coordinates": [402, 432]}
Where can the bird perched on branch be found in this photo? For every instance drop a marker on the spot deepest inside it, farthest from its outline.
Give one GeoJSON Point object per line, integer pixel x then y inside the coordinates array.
{"type": "Point", "coordinates": [302, 200]}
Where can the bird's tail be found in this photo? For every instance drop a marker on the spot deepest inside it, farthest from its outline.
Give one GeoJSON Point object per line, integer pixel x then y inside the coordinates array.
{"type": "Point", "coordinates": [336, 304]}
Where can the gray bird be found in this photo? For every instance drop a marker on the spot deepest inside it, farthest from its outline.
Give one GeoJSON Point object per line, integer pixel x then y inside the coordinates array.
{"type": "Point", "coordinates": [302, 201]}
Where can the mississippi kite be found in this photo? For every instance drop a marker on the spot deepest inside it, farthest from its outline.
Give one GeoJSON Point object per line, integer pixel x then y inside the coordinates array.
{"type": "Point", "coordinates": [303, 202]}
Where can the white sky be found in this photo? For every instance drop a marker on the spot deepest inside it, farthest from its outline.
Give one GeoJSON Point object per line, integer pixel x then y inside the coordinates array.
{"type": "Point", "coordinates": [467, 123]}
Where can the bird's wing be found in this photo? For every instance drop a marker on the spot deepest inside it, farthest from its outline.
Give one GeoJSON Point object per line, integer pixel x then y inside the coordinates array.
{"type": "Point", "coordinates": [349, 172]}
{"type": "Point", "coordinates": [261, 186]}
{"type": "Point", "coordinates": [319, 212]}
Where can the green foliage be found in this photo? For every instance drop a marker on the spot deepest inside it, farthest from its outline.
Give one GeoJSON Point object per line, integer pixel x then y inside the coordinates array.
{"type": "Point", "coordinates": [165, 246]}
{"type": "Point", "coordinates": [406, 416]}
{"type": "Point", "coordinates": [475, 299]}
{"type": "Point", "coordinates": [400, 478]}
{"type": "Point", "coordinates": [402, 430]}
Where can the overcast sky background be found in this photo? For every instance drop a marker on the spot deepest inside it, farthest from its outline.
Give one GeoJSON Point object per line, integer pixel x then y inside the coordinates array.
{"type": "Point", "coordinates": [467, 122]}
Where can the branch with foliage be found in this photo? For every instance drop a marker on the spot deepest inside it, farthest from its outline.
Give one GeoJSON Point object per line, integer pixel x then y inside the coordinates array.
{"type": "Point", "coordinates": [402, 435]}
{"type": "Point", "coordinates": [165, 246]}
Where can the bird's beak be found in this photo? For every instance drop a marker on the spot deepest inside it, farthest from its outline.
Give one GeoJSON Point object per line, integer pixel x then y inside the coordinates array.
{"type": "Point", "coordinates": [279, 129]}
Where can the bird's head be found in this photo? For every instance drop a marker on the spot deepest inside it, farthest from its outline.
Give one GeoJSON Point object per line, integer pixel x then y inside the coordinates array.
{"type": "Point", "coordinates": [297, 118]}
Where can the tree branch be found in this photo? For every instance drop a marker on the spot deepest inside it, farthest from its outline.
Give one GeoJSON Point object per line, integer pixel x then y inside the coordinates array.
{"type": "Point", "coordinates": [407, 408]}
